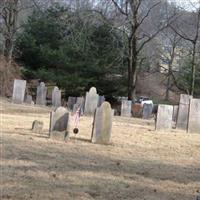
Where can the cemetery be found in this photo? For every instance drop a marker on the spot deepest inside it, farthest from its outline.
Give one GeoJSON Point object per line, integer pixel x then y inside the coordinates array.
{"type": "Point", "coordinates": [99, 100]}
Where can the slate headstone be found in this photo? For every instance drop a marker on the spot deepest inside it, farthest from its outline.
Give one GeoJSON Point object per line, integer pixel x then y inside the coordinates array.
{"type": "Point", "coordinates": [18, 91]}
{"type": "Point", "coordinates": [70, 103]}
{"type": "Point", "coordinates": [59, 123]}
{"type": "Point", "coordinates": [183, 111]}
{"type": "Point", "coordinates": [101, 100]}
{"type": "Point", "coordinates": [126, 108]}
{"type": "Point", "coordinates": [91, 101]}
{"type": "Point", "coordinates": [147, 111]}
{"type": "Point", "coordinates": [194, 116]}
{"type": "Point", "coordinates": [41, 94]}
{"type": "Point", "coordinates": [56, 97]}
{"type": "Point", "coordinates": [164, 118]}
{"type": "Point", "coordinates": [102, 125]}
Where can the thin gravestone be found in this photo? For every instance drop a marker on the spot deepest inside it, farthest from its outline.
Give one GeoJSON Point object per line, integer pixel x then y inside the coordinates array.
{"type": "Point", "coordinates": [164, 118]}
{"type": "Point", "coordinates": [102, 126]}
{"type": "Point", "coordinates": [101, 100]}
{"type": "Point", "coordinates": [18, 91]}
{"type": "Point", "coordinates": [59, 123]}
{"type": "Point", "coordinates": [41, 94]}
{"type": "Point", "coordinates": [126, 108]}
{"type": "Point", "coordinates": [56, 97]}
{"type": "Point", "coordinates": [147, 111]}
{"type": "Point", "coordinates": [183, 111]}
{"type": "Point", "coordinates": [71, 101]}
{"type": "Point", "coordinates": [91, 101]}
{"type": "Point", "coordinates": [28, 99]}
{"type": "Point", "coordinates": [194, 116]}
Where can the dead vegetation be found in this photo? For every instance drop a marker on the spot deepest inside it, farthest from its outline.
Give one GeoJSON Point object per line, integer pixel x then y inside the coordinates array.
{"type": "Point", "coordinates": [139, 164]}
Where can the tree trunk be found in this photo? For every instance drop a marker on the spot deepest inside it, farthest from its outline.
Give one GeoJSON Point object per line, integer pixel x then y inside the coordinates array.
{"type": "Point", "coordinates": [193, 71]}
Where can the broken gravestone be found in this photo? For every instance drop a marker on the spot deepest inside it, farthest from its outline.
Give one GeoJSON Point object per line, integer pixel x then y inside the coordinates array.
{"type": "Point", "coordinates": [18, 91]}
{"type": "Point", "coordinates": [91, 101]}
{"type": "Point", "coordinates": [102, 125]}
{"type": "Point", "coordinates": [126, 108]}
{"type": "Point", "coordinates": [41, 94]}
{"type": "Point", "coordinates": [56, 97]}
{"type": "Point", "coordinates": [194, 116]}
{"type": "Point", "coordinates": [147, 111]}
{"type": "Point", "coordinates": [183, 111]}
{"type": "Point", "coordinates": [59, 124]}
{"type": "Point", "coordinates": [37, 126]}
{"type": "Point", "coordinates": [164, 118]}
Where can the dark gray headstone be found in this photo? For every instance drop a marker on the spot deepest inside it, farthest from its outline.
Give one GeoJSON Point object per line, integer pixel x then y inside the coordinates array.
{"type": "Point", "coordinates": [91, 101]}
{"type": "Point", "coordinates": [41, 94]}
{"type": "Point", "coordinates": [37, 126]}
{"type": "Point", "coordinates": [28, 99]}
{"type": "Point", "coordinates": [147, 111]}
{"type": "Point", "coordinates": [56, 97]}
{"type": "Point", "coordinates": [126, 108]}
{"type": "Point", "coordinates": [194, 116]}
{"type": "Point", "coordinates": [59, 123]}
{"type": "Point", "coordinates": [101, 100]}
{"type": "Point", "coordinates": [164, 118]}
{"type": "Point", "coordinates": [19, 91]}
{"type": "Point", "coordinates": [70, 103]}
{"type": "Point", "coordinates": [183, 111]}
{"type": "Point", "coordinates": [101, 133]}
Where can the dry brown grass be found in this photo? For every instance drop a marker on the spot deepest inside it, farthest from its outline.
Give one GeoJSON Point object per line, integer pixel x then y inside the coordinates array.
{"type": "Point", "coordinates": [139, 164]}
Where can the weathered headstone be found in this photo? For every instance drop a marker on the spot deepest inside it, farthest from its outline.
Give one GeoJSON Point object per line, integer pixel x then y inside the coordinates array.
{"type": "Point", "coordinates": [56, 97]}
{"type": "Point", "coordinates": [126, 108]}
{"type": "Point", "coordinates": [37, 126]}
{"type": "Point", "coordinates": [28, 99]}
{"type": "Point", "coordinates": [101, 100]}
{"type": "Point", "coordinates": [164, 118]}
{"type": "Point", "coordinates": [19, 91]}
{"type": "Point", "coordinates": [102, 125]}
{"type": "Point", "coordinates": [41, 94]}
{"type": "Point", "coordinates": [194, 116]}
{"type": "Point", "coordinates": [59, 123]}
{"type": "Point", "coordinates": [183, 111]}
{"type": "Point", "coordinates": [70, 103]}
{"type": "Point", "coordinates": [147, 111]}
{"type": "Point", "coordinates": [91, 101]}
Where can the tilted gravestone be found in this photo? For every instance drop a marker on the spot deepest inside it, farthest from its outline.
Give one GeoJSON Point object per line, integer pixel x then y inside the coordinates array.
{"type": "Point", "coordinates": [147, 111]}
{"type": "Point", "coordinates": [126, 108]}
{"type": "Point", "coordinates": [164, 118]}
{"type": "Point", "coordinates": [91, 101]}
{"type": "Point", "coordinates": [101, 100]}
{"type": "Point", "coordinates": [194, 116]}
{"type": "Point", "coordinates": [102, 126]}
{"type": "Point", "coordinates": [70, 103]}
{"type": "Point", "coordinates": [41, 94]}
{"type": "Point", "coordinates": [28, 99]}
{"type": "Point", "coordinates": [183, 111]}
{"type": "Point", "coordinates": [18, 91]}
{"type": "Point", "coordinates": [56, 97]}
{"type": "Point", "coordinates": [59, 123]}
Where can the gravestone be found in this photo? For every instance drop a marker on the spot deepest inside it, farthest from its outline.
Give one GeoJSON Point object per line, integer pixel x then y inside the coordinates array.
{"type": "Point", "coordinates": [194, 116]}
{"type": "Point", "coordinates": [102, 126]}
{"type": "Point", "coordinates": [37, 126]}
{"type": "Point", "coordinates": [164, 118]}
{"type": "Point", "coordinates": [56, 97]}
{"type": "Point", "coordinates": [59, 123]}
{"type": "Point", "coordinates": [28, 99]}
{"type": "Point", "coordinates": [18, 91]}
{"type": "Point", "coordinates": [70, 103]}
{"type": "Point", "coordinates": [183, 111]}
{"type": "Point", "coordinates": [91, 101]}
{"type": "Point", "coordinates": [147, 111]}
{"type": "Point", "coordinates": [101, 100]}
{"type": "Point", "coordinates": [126, 108]}
{"type": "Point", "coordinates": [41, 94]}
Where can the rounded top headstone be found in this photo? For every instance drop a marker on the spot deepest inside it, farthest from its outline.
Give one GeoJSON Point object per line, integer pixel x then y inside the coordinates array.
{"type": "Point", "coordinates": [93, 90]}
